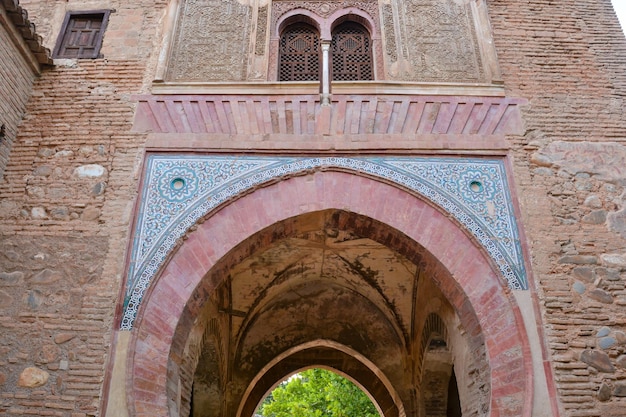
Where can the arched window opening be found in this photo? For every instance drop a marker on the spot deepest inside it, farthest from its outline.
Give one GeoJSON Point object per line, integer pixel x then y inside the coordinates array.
{"type": "Point", "coordinates": [351, 53]}
{"type": "Point", "coordinates": [299, 54]}
{"type": "Point", "coordinates": [317, 392]}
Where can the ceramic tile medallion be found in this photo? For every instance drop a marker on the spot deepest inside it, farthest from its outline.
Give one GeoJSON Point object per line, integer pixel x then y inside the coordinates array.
{"type": "Point", "coordinates": [179, 190]}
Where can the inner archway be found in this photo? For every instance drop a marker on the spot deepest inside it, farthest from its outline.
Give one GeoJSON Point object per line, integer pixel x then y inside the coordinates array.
{"type": "Point", "coordinates": [318, 281]}
{"type": "Point", "coordinates": [373, 245]}
{"type": "Point", "coordinates": [317, 391]}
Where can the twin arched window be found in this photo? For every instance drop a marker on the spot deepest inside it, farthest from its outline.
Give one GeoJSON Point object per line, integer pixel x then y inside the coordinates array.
{"type": "Point", "coordinates": [350, 53]}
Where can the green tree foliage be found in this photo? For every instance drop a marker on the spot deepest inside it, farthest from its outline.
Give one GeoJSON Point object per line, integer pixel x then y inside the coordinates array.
{"type": "Point", "coordinates": [317, 393]}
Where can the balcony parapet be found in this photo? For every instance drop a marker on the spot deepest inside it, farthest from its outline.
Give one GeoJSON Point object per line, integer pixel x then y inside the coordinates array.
{"type": "Point", "coordinates": [348, 114]}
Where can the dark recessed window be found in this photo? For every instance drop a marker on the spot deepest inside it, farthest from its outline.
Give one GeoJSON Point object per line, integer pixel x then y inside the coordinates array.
{"type": "Point", "coordinates": [351, 53]}
{"type": "Point", "coordinates": [81, 34]}
{"type": "Point", "coordinates": [299, 54]}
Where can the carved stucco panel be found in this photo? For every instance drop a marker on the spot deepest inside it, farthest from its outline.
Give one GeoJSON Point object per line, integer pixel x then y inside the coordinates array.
{"type": "Point", "coordinates": [322, 8]}
{"type": "Point", "coordinates": [439, 39]}
{"type": "Point", "coordinates": [389, 33]}
{"type": "Point", "coordinates": [259, 63]}
{"type": "Point", "coordinates": [261, 31]}
{"type": "Point", "coordinates": [211, 41]}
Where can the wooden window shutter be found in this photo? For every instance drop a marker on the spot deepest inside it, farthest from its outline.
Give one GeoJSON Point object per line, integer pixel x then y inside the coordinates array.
{"type": "Point", "coordinates": [82, 33]}
{"type": "Point", "coordinates": [299, 54]}
{"type": "Point", "coordinates": [351, 53]}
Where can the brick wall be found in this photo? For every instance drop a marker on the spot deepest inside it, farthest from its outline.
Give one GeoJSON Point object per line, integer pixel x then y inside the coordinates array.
{"type": "Point", "coordinates": [568, 59]}
{"type": "Point", "coordinates": [16, 80]}
{"type": "Point", "coordinates": [65, 208]}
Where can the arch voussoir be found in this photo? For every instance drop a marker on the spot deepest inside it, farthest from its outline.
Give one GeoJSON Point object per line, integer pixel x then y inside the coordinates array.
{"type": "Point", "coordinates": [465, 276]}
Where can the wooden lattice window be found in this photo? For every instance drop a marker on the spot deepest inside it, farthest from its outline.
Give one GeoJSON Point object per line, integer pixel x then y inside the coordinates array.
{"type": "Point", "coordinates": [299, 54]}
{"type": "Point", "coordinates": [351, 53]}
{"type": "Point", "coordinates": [81, 35]}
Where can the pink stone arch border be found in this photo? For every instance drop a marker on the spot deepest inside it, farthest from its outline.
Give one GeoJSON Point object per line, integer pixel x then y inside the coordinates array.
{"type": "Point", "coordinates": [472, 284]}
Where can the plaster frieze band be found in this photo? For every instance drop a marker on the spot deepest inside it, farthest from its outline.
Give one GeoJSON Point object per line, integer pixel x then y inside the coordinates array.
{"type": "Point", "coordinates": [180, 190]}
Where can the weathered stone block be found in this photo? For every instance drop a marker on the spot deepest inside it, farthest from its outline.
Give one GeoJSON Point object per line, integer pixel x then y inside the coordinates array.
{"type": "Point", "coordinates": [46, 277]}
{"type": "Point", "coordinates": [614, 260]}
{"type": "Point", "coordinates": [598, 360]}
{"type": "Point", "coordinates": [90, 171]}
{"type": "Point", "coordinates": [595, 217]}
{"type": "Point", "coordinates": [606, 342]}
{"type": "Point", "coordinates": [38, 213]}
{"type": "Point", "coordinates": [98, 189]}
{"type": "Point", "coordinates": [617, 222]}
{"type": "Point", "coordinates": [620, 389]}
{"type": "Point", "coordinates": [60, 213]}
{"type": "Point", "coordinates": [11, 278]}
{"type": "Point", "coordinates": [578, 259]}
{"type": "Point", "coordinates": [34, 299]}
{"type": "Point", "coordinates": [604, 393]}
{"type": "Point", "coordinates": [579, 287]}
{"type": "Point", "coordinates": [63, 337]}
{"type": "Point", "coordinates": [48, 353]}
{"type": "Point", "coordinates": [584, 273]}
{"type": "Point", "coordinates": [609, 274]}
{"type": "Point", "coordinates": [91, 213]}
{"type": "Point", "coordinates": [5, 299]}
{"type": "Point", "coordinates": [33, 377]}
{"type": "Point", "coordinates": [43, 171]}
{"type": "Point", "coordinates": [601, 296]}
{"type": "Point", "coordinates": [593, 202]}
{"type": "Point", "coordinates": [606, 161]}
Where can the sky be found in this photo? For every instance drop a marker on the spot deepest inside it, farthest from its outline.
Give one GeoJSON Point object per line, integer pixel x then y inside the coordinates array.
{"type": "Point", "coordinates": [620, 9]}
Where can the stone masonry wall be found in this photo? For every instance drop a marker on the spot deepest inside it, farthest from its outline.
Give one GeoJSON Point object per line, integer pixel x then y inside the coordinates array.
{"type": "Point", "coordinates": [16, 81]}
{"type": "Point", "coordinates": [568, 59]}
{"type": "Point", "coordinates": [65, 208]}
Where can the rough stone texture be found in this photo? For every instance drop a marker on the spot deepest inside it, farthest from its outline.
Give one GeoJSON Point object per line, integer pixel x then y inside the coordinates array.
{"type": "Point", "coordinates": [604, 393]}
{"type": "Point", "coordinates": [63, 337]}
{"type": "Point", "coordinates": [601, 296]}
{"type": "Point", "coordinates": [584, 273]}
{"type": "Point", "coordinates": [572, 135]}
{"type": "Point", "coordinates": [579, 287]}
{"type": "Point", "coordinates": [606, 342]}
{"type": "Point", "coordinates": [620, 390]}
{"type": "Point", "coordinates": [33, 377]}
{"type": "Point", "coordinates": [598, 360]}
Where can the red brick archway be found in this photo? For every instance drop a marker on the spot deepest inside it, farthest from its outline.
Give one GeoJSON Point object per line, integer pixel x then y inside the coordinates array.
{"type": "Point", "coordinates": [374, 381]}
{"type": "Point", "coordinates": [481, 298]}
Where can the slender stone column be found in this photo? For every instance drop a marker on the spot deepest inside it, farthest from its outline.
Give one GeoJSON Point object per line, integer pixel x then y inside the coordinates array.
{"type": "Point", "coordinates": [325, 99]}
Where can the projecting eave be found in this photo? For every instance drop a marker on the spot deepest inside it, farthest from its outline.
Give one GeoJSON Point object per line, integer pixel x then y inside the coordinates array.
{"type": "Point", "coordinates": [14, 19]}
